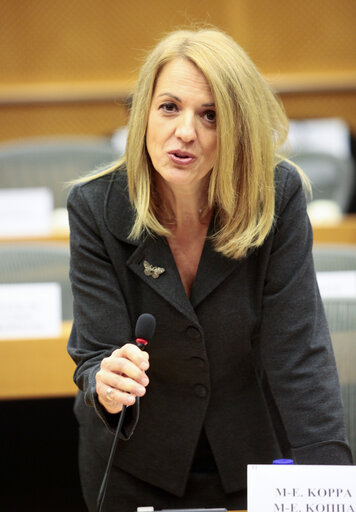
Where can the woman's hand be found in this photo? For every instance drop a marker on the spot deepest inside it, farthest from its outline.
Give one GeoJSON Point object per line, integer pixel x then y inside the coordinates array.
{"type": "Point", "coordinates": [122, 378]}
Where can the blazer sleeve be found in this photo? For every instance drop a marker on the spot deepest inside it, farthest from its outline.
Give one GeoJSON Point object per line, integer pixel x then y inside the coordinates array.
{"type": "Point", "coordinates": [295, 346]}
{"type": "Point", "coordinates": [101, 322]}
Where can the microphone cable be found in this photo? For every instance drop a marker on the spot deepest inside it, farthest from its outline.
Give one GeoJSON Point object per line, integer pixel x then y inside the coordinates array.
{"type": "Point", "coordinates": [144, 330]}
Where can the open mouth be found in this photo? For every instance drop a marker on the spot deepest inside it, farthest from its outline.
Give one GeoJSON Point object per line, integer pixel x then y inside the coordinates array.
{"type": "Point", "coordinates": [181, 157]}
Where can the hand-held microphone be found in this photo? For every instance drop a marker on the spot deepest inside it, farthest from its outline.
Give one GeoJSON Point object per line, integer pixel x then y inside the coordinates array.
{"type": "Point", "coordinates": [144, 330]}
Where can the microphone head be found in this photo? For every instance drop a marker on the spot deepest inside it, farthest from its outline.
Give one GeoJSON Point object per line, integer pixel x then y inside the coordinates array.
{"type": "Point", "coordinates": [145, 326]}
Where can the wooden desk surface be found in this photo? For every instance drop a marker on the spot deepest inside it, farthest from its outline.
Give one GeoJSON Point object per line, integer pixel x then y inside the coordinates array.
{"type": "Point", "coordinates": [36, 368]}
{"type": "Point", "coordinates": [343, 232]}
{"type": "Point", "coordinates": [42, 368]}
{"type": "Point", "coordinates": [56, 235]}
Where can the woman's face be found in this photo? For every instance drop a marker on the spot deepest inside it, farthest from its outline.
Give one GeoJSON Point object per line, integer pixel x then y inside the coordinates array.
{"type": "Point", "coordinates": [181, 129]}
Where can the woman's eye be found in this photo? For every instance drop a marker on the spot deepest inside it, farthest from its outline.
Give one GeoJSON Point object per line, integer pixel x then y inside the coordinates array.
{"type": "Point", "coordinates": [210, 115]}
{"type": "Point", "coordinates": [168, 107]}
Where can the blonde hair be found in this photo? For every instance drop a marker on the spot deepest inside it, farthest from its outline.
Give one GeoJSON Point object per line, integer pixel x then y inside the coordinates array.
{"type": "Point", "coordinates": [251, 126]}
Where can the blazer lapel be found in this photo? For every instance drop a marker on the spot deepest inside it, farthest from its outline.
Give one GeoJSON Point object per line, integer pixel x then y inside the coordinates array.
{"type": "Point", "coordinates": [156, 252]}
{"type": "Point", "coordinates": [213, 267]}
{"type": "Point", "coordinates": [119, 218]}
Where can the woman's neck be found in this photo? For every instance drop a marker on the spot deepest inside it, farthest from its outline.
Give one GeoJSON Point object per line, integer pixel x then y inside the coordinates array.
{"type": "Point", "coordinates": [179, 209]}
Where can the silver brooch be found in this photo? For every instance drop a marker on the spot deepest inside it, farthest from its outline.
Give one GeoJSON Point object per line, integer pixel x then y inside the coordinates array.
{"type": "Point", "coordinates": [152, 271]}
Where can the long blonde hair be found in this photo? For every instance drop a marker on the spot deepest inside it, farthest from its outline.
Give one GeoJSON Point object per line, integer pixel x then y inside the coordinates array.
{"type": "Point", "coordinates": [251, 126]}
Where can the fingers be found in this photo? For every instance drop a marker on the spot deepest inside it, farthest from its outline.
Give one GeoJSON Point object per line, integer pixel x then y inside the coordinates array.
{"type": "Point", "coordinates": [122, 378]}
{"type": "Point", "coordinates": [128, 360]}
{"type": "Point", "coordinates": [122, 386]}
{"type": "Point", "coordinates": [133, 354]}
{"type": "Point", "coordinates": [114, 400]}
{"type": "Point", "coordinates": [116, 391]}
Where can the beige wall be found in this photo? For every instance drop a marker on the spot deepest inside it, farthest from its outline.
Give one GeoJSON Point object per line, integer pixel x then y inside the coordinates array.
{"type": "Point", "coordinates": [65, 65]}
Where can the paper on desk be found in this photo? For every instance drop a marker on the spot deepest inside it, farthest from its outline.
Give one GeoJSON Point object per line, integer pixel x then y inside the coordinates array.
{"type": "Point", "coordinates": [31, 310]}
{"type": "Point", "coordinates": [337, 284]}
{"type": "Point", "coordinates": [25, 211]}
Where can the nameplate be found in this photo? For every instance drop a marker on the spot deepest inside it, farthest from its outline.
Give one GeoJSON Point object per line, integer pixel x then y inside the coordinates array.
{"type": "Point", "coordinates": [337, 284]}
{"type": "Point", "coordinates": [301, 488]}
{"type": "Point", "coordinates": [25, 212]}
{"type": "Point", "coordinates": [30, 310]}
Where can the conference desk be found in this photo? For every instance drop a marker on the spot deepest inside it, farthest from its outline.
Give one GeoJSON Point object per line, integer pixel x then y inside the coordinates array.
{"type": "Point", "coordinates": [36, 368]}
{"type": "Point", "coordinates": [343, 232]}
{"type": "Point", "coordinates": [53, 236]}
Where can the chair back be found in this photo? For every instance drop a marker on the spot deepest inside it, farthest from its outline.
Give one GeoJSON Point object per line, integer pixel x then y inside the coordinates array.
{"type": "Point", "coordinates": [38, 263]}
{"type": "Point", "coordinates": [53, 162]}
{"type": "Point", "coordinates": [332, 177]}
{"type": "Point", "coordinates": [341, 315]}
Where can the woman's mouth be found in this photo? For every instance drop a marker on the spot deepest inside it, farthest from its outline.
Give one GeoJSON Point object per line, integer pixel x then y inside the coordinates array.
{"type": "Point", "coordinates": [181, 157]}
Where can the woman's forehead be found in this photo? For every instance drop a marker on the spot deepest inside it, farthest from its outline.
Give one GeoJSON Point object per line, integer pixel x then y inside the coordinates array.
{"type": "Point", "coordinates": [182, 74]}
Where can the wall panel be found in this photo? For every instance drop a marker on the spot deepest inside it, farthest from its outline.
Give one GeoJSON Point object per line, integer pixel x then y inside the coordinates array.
{"type": "Point", "coordinates": [52, 53]}
{"type": "Point", "coordinates": [61, 119]}
{"type": "Point", "coordinates": [304, 36]}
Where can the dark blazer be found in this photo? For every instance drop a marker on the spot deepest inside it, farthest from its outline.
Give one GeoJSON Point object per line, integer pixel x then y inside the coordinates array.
{"type": "Point", "coordinates": [247, 356]}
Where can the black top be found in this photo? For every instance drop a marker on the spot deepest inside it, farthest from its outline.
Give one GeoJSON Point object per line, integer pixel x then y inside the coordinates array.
{"type": "Point", "coordinates": [247, 357]}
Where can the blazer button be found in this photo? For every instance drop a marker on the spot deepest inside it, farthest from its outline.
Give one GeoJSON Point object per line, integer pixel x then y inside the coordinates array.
{"type": "Point", "coordinates": [199, 362]}
{"type": "Point", "coordinates": [200, 390]}
{"type": "Point", "coordinates": [193, 332]}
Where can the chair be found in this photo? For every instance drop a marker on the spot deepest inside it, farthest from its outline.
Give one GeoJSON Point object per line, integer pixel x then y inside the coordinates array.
{"type": "Point", "coordinates": [38, 263]}
{"type": "Point", "coordinates": [334, 257]}
{"type": "Point", "coordinates": [52, 162]}
{"type": "Point", "coordinates": [341, 316]}
{"type": "Point", "coordinates": [332, 177]}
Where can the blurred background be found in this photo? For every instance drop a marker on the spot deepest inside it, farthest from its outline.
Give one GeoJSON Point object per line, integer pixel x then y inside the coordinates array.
{"type": "Point", "coordinates": [68, 66]}
{"type": "Point", "coordinates": [67, 71]}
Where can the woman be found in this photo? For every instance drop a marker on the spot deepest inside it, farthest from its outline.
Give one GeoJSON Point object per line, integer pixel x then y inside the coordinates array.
{"type": "Point", "coordinates": [203, 226]}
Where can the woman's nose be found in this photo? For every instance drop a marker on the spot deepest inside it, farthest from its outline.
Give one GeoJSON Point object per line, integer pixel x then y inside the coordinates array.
{"type": "Point", "coordinates": [186, 129]}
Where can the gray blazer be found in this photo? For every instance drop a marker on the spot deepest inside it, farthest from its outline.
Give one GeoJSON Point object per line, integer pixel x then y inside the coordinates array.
{"type": "Point", "coordinates": [247, 357]}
